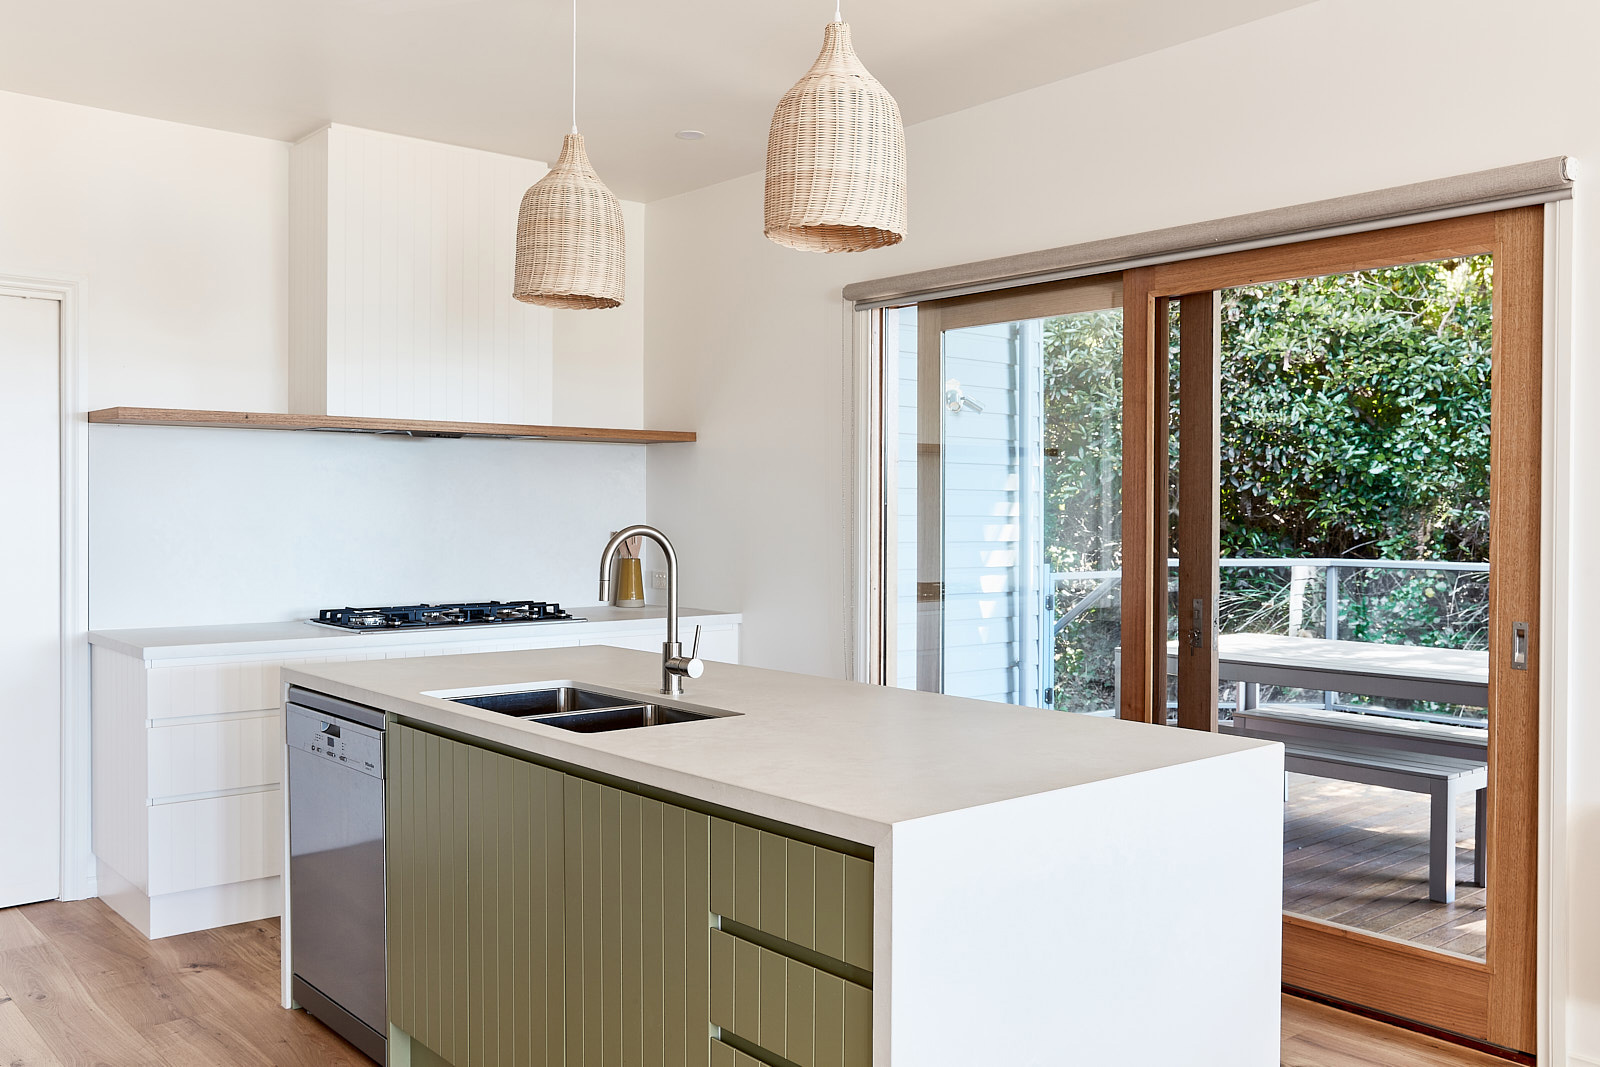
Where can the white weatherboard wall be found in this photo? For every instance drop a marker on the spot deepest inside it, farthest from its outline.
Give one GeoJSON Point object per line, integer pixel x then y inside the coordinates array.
{"type": "Point", "coordinates": [747, 341]}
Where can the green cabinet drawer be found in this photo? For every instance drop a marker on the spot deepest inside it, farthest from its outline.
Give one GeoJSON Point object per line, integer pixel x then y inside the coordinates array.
{"type": "Point", "coordinates": [787, 1008]}
{"type": "Point", "coordinates": [812, 896]}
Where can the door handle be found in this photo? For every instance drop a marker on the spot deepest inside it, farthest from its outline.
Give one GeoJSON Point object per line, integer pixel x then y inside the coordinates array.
{"type": "Point", "coordinates": [1197, 626]}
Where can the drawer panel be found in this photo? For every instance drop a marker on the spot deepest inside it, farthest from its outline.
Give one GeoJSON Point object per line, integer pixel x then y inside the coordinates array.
{"type": "Point", "coordinates": [813, 896]}
{"type": "Point", "coordinates": [198, 843]}
{"type": "Point", "coordinates": [213, 688]}
{"type": "Point", "coordinates": [807, 1016]}
{"type": "Point", "coordinates": [209, 757]}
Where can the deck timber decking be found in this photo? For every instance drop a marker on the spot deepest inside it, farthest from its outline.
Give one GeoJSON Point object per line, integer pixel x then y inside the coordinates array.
{"type": "Point", "coordinates": [1357, 855]}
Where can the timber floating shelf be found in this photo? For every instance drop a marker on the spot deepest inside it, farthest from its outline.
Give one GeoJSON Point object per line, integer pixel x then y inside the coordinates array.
{"type": "Point", "coordinates": [261, 420]}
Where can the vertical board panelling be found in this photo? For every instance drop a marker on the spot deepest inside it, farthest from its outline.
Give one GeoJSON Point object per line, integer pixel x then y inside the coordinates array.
{"type": "Point", "coordinates": [828, 1022]}
{"type": "Point", "coordinates": [631, 1053]}
{"type": "Point", "coordinates": [747, 990]}
{"type": "Point", "coordinates": [655, 974]}
{"type": "Point", "coordinates": [675, 951]}
{"type": "Point", "coordinates": [697, 937]}
{"type": "Point", "coordinates": [722, 866]}
{"type": "Point", "coordinates": [611, 878]}
{"type": "Point", "coordinates": [858, 912]}
{"type": "Point", "coordinates": [799, 1013]}
{"type": "Point", "coordinates": [460, 974]}
{"type": "Point", "coordinates": [747, 874]}
{"type": "Point", "coordinates": [774, 1002]}
{"type": "Point", "coordinates": [480, 876]}
{"type": "Point", "coordinates": [557, 1039]}
{"type": "Point", "coordinates": [720, 1008]}
{"type": "Point", "coordinates": [774, 885]}
{"type": "Point", "coordinates": [830, 903]}
{"type": "Point", "coordinates": [802, 921]}
{"type": "Point", "coordinates": [857, 1025]}
{"type": "Point", "coordinates": [402, 309]}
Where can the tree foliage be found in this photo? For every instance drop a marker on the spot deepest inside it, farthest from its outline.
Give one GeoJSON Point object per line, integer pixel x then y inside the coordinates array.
{"type": "Point", "coordinates": [1355, 425]}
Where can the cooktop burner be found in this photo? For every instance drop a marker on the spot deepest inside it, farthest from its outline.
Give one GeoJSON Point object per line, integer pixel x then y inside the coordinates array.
{"type": "Point", "coordinates": [418, 616]}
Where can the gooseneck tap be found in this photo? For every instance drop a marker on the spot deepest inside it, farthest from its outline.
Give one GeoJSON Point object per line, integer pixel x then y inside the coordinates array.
{"type": "Point", "coordinates": [675, 666]}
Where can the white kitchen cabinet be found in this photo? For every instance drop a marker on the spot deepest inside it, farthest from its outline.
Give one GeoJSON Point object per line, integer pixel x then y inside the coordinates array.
{"type": "Point", "coordinates": [188, 751]}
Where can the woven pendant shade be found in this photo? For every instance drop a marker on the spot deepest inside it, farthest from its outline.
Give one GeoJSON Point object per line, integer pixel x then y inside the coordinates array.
{"type": "Point", "coordinates": [836, 157]}
{"type": "Point", "coordinates": [569, 237]}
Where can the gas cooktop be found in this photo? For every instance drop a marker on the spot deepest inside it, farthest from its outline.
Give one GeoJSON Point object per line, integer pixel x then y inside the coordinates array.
{"type": "Point", "coordinates": [419, 616]}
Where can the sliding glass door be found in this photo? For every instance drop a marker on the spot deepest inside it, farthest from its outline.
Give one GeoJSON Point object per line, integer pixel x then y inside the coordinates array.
{"type": "Point", "coordinates": [1356, 493]}
{"type": "Point", "coordinates": [1003, 440]}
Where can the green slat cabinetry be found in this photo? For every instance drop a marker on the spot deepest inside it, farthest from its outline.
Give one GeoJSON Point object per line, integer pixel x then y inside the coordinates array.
{"type": "Point", "coordinates": [811, 896]}
{"type": "Point", "coordinates": [476, 856]}
{"type": "Point", "coordinates": [541, 918]}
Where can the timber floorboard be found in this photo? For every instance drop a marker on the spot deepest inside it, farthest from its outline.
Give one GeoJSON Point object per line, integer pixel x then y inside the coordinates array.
{"type": "Point", "coordinates": [79, 986]}
{"type": "Point", "coordinates": [1357, 855]}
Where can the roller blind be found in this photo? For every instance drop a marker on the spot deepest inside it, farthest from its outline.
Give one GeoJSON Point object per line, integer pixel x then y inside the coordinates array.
{"type": "Point", "coordinates": [1503, 187]}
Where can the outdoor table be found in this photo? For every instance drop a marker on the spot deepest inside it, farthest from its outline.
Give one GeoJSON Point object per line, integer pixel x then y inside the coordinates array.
{"type": "Point", "coordinates": [1402, 672]}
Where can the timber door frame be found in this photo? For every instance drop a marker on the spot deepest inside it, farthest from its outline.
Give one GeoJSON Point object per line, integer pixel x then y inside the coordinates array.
{"type": "Point", "coordinates": [1493, 1000]}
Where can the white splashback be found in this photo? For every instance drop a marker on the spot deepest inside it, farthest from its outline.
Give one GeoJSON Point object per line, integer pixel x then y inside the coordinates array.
{"type": "Point", "coordinates": [401, 261]}
{"type": "Point", "coordinates": [201, 526]}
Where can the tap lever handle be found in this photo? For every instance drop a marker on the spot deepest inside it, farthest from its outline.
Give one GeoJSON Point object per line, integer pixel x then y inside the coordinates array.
{"type": "Point", "coordinates": [694, 653]}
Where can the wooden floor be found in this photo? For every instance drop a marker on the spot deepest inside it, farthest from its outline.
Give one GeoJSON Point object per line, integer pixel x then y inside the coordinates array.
{"type": "Point", "coordinates": [1358, 855]}
{"type": "Point", "coordinates": [78, 986]}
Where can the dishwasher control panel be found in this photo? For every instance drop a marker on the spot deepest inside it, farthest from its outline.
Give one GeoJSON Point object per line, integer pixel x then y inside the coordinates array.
{"type": "Point", "coordinates": [337, 740]}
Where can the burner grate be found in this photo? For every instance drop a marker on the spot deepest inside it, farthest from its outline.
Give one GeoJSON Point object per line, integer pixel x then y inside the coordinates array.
{"type": "Point", "coordinates": [418, 616]}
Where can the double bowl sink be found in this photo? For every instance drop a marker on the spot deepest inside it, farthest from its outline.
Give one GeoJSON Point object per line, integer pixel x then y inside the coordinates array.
{"type": "Point", "coordinates": [581, 710]}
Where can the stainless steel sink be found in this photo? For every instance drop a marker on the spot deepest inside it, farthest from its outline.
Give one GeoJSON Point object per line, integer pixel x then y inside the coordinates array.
{"type": "Point", "coordinates": [569, 707]}
{"type": "Point", "coordinates": [542, 701]}
{"type": "Point", "coordinates": [625, 718]}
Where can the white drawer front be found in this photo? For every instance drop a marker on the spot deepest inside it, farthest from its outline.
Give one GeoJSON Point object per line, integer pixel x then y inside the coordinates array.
{"type": "Point", "coordinates": [213, 688]}
{"type": "Point", "coordinates": [199, 843]}
{"type": "Point", "coordinates": [209, 757]}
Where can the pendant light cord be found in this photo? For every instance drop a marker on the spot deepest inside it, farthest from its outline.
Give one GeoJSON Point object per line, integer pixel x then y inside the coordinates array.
{"type": "Point", "coordinates": [837, 17]}
{"type": "Point", "coordinates": [574, 66]}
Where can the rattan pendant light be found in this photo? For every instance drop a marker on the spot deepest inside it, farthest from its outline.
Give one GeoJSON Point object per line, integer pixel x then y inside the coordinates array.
{"type": "Point", "coordinates": [836, 157]}
{"type": "Point", "coordinates": [570, 251]}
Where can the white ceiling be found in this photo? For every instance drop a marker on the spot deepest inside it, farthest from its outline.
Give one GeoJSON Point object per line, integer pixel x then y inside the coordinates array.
{"type": "Point", "coordinates": [494, 74]}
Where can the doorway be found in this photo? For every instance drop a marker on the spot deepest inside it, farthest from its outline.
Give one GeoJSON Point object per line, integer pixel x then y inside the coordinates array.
{"type": "Point", "coordinates": [1391, 641]}
{"type": "Point", "coordinates": [31, 633]}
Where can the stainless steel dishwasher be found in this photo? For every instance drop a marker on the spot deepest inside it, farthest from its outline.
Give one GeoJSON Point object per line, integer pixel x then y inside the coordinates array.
{"type": "Point", "coordinates": [336, 880]}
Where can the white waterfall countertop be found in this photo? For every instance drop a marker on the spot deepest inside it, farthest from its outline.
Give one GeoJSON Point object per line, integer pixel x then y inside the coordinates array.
{"type": "Point", "coordinates": [842, 758]}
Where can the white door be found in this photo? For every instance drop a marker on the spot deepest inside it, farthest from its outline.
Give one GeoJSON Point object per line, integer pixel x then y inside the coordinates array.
{"type": "Point", "coordinates": [30, 625]}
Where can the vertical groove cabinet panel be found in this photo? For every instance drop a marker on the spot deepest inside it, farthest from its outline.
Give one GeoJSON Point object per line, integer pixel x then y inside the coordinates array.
{"type": "Point", "coordinates": [814, 897]}
{"type": "Point", "coordinates": [788, 1008]}
{"type": "Point", "coordinates": [476, 902]}
{"type": "Point", "coordinates": [638, 919]}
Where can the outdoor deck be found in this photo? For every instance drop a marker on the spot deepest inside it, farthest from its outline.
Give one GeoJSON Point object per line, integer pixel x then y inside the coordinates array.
{"type": "Point", "coordinates": [1357, 855]}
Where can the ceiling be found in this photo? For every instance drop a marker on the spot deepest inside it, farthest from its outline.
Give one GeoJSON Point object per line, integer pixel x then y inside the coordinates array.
{"type": "Point", "coordinates": [495, 74]}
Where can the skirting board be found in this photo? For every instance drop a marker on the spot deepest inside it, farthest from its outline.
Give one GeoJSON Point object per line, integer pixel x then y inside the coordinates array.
{"type": "Point", "coordinates": [1574, 1060]}
{"type": "Point", "coordinates": [193, 909]}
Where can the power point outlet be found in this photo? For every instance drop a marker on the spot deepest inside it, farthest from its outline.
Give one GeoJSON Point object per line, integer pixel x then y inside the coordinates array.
{"type": "Point", "coordinates": [658, 579]}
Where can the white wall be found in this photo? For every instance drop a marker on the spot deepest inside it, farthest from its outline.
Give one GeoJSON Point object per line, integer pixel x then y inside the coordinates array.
{"type": "Point", "coordinates": [181, 235]}
{"type": "Point", "coordinates": [195, 526]}
{"type": "Point", "coordinates": [746, 341]}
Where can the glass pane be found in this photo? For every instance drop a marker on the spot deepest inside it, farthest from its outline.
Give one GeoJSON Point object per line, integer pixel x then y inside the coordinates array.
{"type": "Point", "coordinates": [1023, 499]}
{"type": "Point", "coordinates": [1354, 530]}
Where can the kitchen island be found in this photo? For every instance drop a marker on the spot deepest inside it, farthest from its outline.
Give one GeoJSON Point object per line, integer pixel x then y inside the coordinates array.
{"type": "Point", "coordinates": [825, 873]}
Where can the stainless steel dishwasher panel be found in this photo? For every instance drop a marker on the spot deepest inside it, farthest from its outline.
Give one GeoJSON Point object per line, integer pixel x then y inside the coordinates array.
{"type": "Point", "coordinates": [336, 869]}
